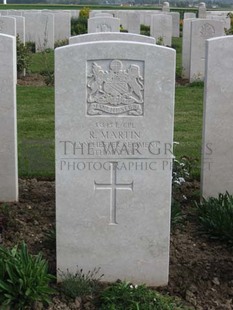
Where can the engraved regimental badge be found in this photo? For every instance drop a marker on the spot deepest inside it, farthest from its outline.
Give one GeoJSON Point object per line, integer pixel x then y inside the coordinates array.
{"type": "Point", "coordinates": [207, 30]}
{"type": "Point", "coordinates": [115, 88]}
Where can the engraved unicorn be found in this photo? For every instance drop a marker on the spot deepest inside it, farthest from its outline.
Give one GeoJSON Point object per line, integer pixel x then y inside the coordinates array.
{"type": "Point", "coordinates": [134, 81]}
{"type": "Point", "coordinates": [96, 82]}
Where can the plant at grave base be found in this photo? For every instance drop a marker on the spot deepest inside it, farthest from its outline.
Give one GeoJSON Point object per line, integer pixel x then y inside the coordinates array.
{"type": "Point", "coordinates": [145, 30]}
{"type": "Point", "coordinates": [79, 25]}
{"type": "Point", "coordinates": [181, 25]}
{"type": "Point", "coordinates": [50, 238]}
{"type": "Point", "coordinates": [23, 56]}
{"type": "Point", "coordinates": [160, 41]}
{"type": "Point", "coordinates": [216, 216]}
{"type": "Point", "coordinates": [47, 73]}
{"type": "Point", "coordinates": [176, 215]}
{"type": "Point", "coordinates": [59, 43]}
{"type": "Point", "coordinates": [196, 80]}
{"type": "Point", "coordinates": [31, 46]}
{"type": "Point", "coordinates": [79, 284]}
{"type": "Point", "coordinates": [229, 31]}
{"type": "Point", "coordinates": [126, 296]}
{"type": "Point", "coordinates": [180, 171]}
{"type": "Point", "coordinates": [7, 219]}
{"type": "Point", "coordinates": [24, 278]}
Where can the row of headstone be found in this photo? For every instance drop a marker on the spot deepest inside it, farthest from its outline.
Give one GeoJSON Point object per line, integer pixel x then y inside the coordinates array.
{"type": "Point", "coordinates": [163, 26]}
{"type": "Point", "coordinates": [43, 28]}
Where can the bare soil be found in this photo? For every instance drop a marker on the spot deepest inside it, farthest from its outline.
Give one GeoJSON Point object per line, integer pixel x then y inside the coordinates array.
{"type": "Point", "coordinates": [201, 269]}
{"type": "Point", "coordinates": [32, 80]}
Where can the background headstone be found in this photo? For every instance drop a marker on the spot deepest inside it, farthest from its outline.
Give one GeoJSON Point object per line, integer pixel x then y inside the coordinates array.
{"type": "Point", "coordinates": [8, 123]}
{"type": "Point", "coordinates": [8, 25]}
{"type": "Point", "coordinates": [161, 28]}
{"type": "Point", "coordinates": [186, 46]}
{"type": "Point", "coordinates": [113, 208]}
{"type": "Point", "coordinates": [103, 24]}
{"type": "Point", "coordinates": [217, 147]}
{"type": "Point", "coordinates": [201, 30]}
{"type": "Point", "coordinates": [202, 10]}
{"type": "Point", "coordinates": [133, 22]}
{"type": "Point", "coordinates": [175, 24]}
{"type": "Point", "coordinates": [62, 26]}
{"type": "Point", "coordinates": [39, 28]}
{"type": "Point", "coordinates": [20, 27]}
{"type": "Point", "coordinates": [166, 7]}
{"type": "Point", "coordinates": [189, 15]}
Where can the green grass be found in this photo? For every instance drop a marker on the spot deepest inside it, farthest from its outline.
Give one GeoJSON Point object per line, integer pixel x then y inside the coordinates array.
{"type": "Point", "coordinates": [42, 62]}
{"type": "Point", "coordinates": [35, 131]}
{"type": "Point", "coordinates": [177, 45]}
{"type": "Point", "coordinates": [188, 121]}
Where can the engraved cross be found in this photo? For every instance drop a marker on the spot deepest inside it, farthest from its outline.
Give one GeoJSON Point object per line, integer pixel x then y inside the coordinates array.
{"type": "Point", "coordinates": [113, 186]}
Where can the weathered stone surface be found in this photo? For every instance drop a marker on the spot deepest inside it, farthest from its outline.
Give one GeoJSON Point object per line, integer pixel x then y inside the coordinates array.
{"type": "Point", "coordinates": [114, 135]}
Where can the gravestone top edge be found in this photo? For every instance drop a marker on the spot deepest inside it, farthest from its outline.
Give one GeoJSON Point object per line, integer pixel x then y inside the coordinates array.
{"type": "Point", "coordinates": [225, 38]}
{"type": "Point", "coordinates": [7, 35]}
{"type": "Point", "coordinates": [110, 42]}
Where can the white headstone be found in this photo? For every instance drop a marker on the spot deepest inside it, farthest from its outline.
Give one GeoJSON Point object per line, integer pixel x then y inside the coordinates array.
{"type": "Point", "coordinates": [189, 15]}
{"type": "Point", "coordinates": [133, 22]}
{"type": "Point", "coordinates": [3, 12]}
{"type": "Point", "coordinates": [20, 27]}
{"type": "Point", "coordinates": [39, 28]}
{"type": "Point", "coordinates": [62, 26]}
{"type": "Point", "coordinates": [217, 150]}
{"type": "Point", "coordinates": [166, 7]}
{"type": "Point", "coordinates": [114, 133]}
{"type": "Point", "coordinates": [175, 24]}
{"type": "Point", "coordinates": [8, 137]}
{"type": "Point", "coordinates": [8, 25]}
{"type": "Point", "coordinates": [202, 10]}
{"type": "Point", "coordinates": [186, 46]}
{"type": "Point", "coordinates": [103, 24]}
{"type": "Point", "coordinates": [14, 12]}
{"type": "Point", "coordinates": [100, 14]}
{"type": "Point", "coordinates": [123, 16]}
{"type": "Point", "coordinates": [161, 28]}
{"type": "Point", "coordinates": [110, 36]}
{"type": "Point", "coordinates": [201, 30]}
{"type": "Point", "coordinates": [225, 19]}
